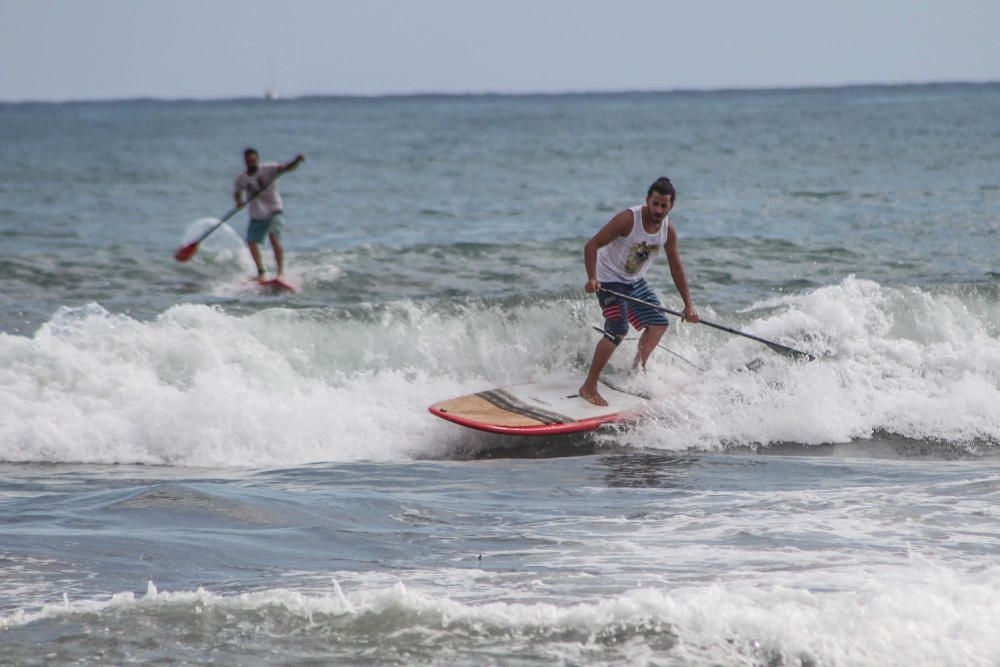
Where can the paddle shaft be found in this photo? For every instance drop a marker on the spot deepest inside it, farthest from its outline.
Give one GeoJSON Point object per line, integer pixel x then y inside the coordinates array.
{"type": "Point", "coordinates": [777, 347]}
{"type": "Point", "coordinates": [231, 212]}
{"type": "Point", "coordinates": [662, 347]}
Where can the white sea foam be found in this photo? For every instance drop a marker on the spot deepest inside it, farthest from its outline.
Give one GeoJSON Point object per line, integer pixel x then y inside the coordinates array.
{"type": "Point", "coordinates": [919, 615]}
{"type": "Point", "coordinates": [897, 360]}
{"type": "Point", "coordinates": [198, 386]}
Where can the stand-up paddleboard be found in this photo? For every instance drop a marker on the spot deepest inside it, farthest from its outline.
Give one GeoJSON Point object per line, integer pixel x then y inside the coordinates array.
{"type": "Point", "coordinates": [540, 408]}
{"type": "Point", "coordinates": [275, 286]}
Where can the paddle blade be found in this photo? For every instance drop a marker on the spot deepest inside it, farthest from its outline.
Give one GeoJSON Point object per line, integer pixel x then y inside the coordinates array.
{"type": "Point", "coordinates": [789, 351]}
{"type": "Point", "coordinates": [186, 252]}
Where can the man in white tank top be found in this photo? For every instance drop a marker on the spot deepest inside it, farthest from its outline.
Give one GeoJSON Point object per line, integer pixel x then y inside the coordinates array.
{"type": "Point", "coordinates": [267, 211]}
{"type": "Point", "coordinates": [617, 259]}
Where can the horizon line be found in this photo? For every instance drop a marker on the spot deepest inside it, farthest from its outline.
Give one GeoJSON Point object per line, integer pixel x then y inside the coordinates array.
{"type": "Point", "coordinates": [265, 95]}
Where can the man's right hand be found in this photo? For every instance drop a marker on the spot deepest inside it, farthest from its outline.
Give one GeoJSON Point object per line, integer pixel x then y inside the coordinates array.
{"type": "Point", "coordinates": [592, 286]}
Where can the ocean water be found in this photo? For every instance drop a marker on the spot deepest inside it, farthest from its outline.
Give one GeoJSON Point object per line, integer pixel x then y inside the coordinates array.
{"type": "Point", "coordinates": [195, 473]}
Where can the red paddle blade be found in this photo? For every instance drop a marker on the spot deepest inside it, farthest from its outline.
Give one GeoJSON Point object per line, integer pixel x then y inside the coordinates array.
{"type": "Point", "coordinates": [186, 253]}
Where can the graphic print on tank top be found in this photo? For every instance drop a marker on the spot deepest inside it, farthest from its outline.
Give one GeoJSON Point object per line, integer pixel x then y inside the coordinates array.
{"type": "Point", "coordinates": [637, 256]}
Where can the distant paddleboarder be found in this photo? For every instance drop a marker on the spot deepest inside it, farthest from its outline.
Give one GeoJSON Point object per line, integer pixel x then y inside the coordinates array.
{"type": "Point", "coordinates": [616, 259]}
{"type": "Point", "coordinates": [267, 215]}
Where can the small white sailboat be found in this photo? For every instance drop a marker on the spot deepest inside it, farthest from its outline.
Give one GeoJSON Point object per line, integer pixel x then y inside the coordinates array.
{"type": "Point", "coordinates": [271, 92]}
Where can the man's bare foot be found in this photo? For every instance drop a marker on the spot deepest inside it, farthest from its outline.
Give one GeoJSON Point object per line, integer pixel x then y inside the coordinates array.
{"type": "Point", "coordinates": [592, 396]}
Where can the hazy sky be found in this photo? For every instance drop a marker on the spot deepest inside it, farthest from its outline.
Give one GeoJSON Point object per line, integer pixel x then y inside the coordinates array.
{"type": "Point", "coordinates": [86, 49]}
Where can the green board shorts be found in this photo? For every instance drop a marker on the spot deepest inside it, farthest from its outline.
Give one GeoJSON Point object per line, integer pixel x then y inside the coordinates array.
{"type": "Point", "coordinates": [258, 230]}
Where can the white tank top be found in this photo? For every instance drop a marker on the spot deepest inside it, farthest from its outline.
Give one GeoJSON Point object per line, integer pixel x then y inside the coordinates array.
{"type": "Point", "coordinates": [627, 258]}
{"type": "Point", "coordinates": [269, 201]}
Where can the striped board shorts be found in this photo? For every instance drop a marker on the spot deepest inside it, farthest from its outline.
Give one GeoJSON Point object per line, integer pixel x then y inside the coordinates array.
{"type": "Point", "coordinates": [619, 313]}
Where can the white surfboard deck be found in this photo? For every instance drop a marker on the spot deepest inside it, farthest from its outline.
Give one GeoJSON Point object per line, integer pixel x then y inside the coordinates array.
{"type": "Point", "coordinates": [540, 408]}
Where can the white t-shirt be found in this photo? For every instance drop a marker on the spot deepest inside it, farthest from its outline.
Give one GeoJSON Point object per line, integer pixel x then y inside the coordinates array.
{"type": "Point", "coordinates": [269, 202]}
{"type": "Point", "coordinates": [627, 258]}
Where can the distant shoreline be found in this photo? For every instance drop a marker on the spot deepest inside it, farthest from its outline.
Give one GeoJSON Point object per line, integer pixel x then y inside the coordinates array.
{"type": "Point", "coordinates": [485, 94]}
